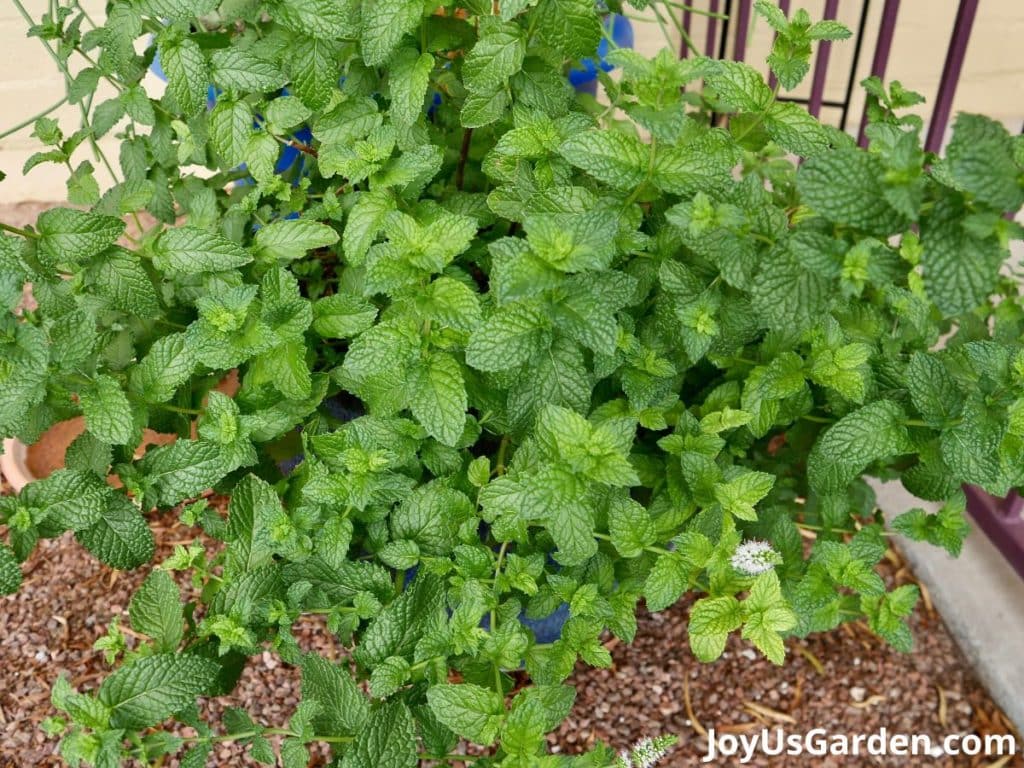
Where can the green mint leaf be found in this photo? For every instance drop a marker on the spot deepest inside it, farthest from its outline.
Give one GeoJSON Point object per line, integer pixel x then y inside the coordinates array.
{"type": "Point", "coordinates": [845, 449]}
{"type": "Point", "coordinates": [482, 109]}
{"type": "Point", "coordinates": [767, 615]}
{"type": "Point", "coordinates": [409, 80]}
{"type": "Point", "coordinates": [285, 113]}
{"type": "Point", "coordinates": [401, 624]}
{"type": "Point", "coordinates": [149, 690]}
{"type": "Point", "coordinates": [290, 240]}
{"type": "Point", "coordinates": [569, 26]}
{"type": "Point", "coordinates": [118, 275]}
{"type": "Point", "coordinates": [184, 469]}
{"type": "Point", "coordinates": [384, 24]}
{"type": "Point", "coordinates": [70, 499]}
{"type": "Point", "coordinates": [947, 528]}
{"type": "Point", "coordinates": [616, 159]}
{"type": "Point", "coordinates": [188, 75]}
{"type": "Point", "coordinates": [230, 129]}
{"type": "Point", "coordinates": [10, 571]}
{"type": "Point", "coordinates": [156, 611]}
{"type": "Point", "coordinates": [342, 316]}
{"type": "Point", "coordinates": [313, 67]}
{"type": "Point", "coordinates": [343, 707]}
{"type": "Point", "coordinates": [711, 621]}
{"type": "Point", "coordinates": [108, 415]}
{"type": "Point", "coordinates": [981, 161]}
{"type": "Point", "coordinates": [507, 339]}
{"type": "Point", "coordinates": [365, 221]}
{"type": "Point", "coordinates": [437, 397]}
{"type": "Point", "coordinates": [388, 740]}
{"type": "Point", "coordinates": [241, 70]}
{"type": "Point", "coordinates": [630, 526]}
{"type": "Point", "coordinates": [739, 495]}
{"type": "Point", "coordinates": [740, 86]}
{"type": "Point", "coordinates": [120, 537]}
{"type": "Point", "coordinates": [497, 55]}
{"type": "Point", "coordinates": [844, 186]}
{"type": "Point", "coordinates": [794, 129]}
{"type": "Point", "coordinates": [189, 250]}
{"type": "Point", "coordinates": [473, 712]}
{"type": "Point", "coordinates": [960, 268]}
{"type": "Point", "coordinates": [71, 236]}
{"type": "Point", "coordinates": [388, 677]}
{"type": "Point", "coordinates": [932, 389]}
{"type": "Point", "coordinates": [324, 19]}
{"type": "Point", "coordinates": [166, 367]}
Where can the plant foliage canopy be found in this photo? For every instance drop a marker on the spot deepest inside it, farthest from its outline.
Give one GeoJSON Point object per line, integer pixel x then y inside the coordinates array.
{"type": "Point", "coordinates": [503, 351]}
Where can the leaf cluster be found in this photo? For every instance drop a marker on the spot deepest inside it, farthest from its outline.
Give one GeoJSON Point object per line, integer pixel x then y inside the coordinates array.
{"type": "Point", "coordinates": [502, 353]}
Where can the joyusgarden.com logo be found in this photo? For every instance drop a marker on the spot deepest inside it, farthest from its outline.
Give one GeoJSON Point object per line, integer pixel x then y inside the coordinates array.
{"type": "Point", "coordinates": [819, 742]}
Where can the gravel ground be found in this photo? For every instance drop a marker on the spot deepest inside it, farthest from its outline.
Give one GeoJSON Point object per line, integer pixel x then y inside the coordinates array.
{"type": "Point", "coordinates": [844, 681]}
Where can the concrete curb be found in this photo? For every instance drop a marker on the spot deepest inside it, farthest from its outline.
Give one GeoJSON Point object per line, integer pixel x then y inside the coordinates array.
{"type": "Point", "coordinates": [980, 598]}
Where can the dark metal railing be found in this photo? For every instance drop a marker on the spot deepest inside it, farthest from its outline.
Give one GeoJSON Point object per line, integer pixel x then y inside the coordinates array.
{"type": "Point", "coordinates": [733, 16]}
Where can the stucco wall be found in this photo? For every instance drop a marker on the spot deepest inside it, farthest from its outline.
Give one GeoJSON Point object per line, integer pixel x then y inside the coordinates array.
{"type": "Point", "coordinates": [992, 81]}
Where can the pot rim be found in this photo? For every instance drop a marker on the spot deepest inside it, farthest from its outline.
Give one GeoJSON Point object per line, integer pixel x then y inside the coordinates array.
{"type": "Point", "coordinates": [14, 464]}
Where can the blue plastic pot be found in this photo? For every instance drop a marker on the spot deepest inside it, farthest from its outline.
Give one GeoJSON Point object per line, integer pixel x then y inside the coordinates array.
{"type": "Point", "coordinates": [157, 69]}
{"type": "Point", "coordinates": [584, 78]}
{"type": "Point", "coordinates": [546, 630]}
{"type": "Point", "coordinates": [288, 154]}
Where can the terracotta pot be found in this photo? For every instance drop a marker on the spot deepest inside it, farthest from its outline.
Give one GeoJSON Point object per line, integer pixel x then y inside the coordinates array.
{"type": "Point", "coordinates": [21, 464]}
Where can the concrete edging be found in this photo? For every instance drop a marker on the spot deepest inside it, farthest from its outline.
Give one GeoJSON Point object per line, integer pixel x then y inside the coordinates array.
{"type": "Point", "coordinates": [980, 598]}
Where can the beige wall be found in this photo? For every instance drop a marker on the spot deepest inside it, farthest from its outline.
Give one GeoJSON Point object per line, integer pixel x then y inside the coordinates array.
{"type": "Point", "coordinates": [992, 81]}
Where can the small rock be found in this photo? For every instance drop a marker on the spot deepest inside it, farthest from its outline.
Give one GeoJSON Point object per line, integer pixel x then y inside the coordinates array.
{"type": "Point", "coordinates": [857, 693]}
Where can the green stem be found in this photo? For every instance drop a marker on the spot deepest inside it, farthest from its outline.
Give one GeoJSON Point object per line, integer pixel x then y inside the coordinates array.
{"type": "Point", "coordinates": [651, 157]}
{"type": "Point", "coordinates": [460, 170]}
{"type": "Point", "coordinates": [457, 757]}
{"type": "Point", "coordinates": [494, 612]}
{"type": "Point", "coordinates": [817, 419]}
{"type": "Point", "coordinates": [823, 529]}
{"type": "Point", "coordinates": [336, 609]}
{"type": "Point", "coordinates": [18, 231]}
{"type": "Point", "coordinates": [499, 468]}
{"type": "Point", "coordinates": [265, 732]}
{"type": "Point", "coordinates": [651, 548]}
{"type": "Point", "coordinates": [177, 409]}
{"type": "Point", "coordinates": [62, 65]}
{"type": "Point", "coordinates": [761, 115]}
{"type": "Point", "coordinates": [698, 11]}
{"type": "Point", "coordinates": [29, 121]}
{"type": "Point", "coordinates": [664, 30]}
{"type": "Point", "coordinates": [687, 40]}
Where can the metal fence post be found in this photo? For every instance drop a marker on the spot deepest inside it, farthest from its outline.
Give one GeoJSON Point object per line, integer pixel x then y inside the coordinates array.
{"type": "Point", "coordinates": [883, 47]}
{"type": "Point", "coordinates": [821, 64]}
{"type": "Point", "coordinates": [951, 73]}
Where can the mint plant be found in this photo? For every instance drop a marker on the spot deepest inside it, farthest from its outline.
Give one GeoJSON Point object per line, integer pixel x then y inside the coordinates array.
{"type": "Point", "coordinates": [528, 350]}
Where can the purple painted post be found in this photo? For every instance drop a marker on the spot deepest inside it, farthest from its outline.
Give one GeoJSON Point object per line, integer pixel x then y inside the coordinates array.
{"type": "Point", "coordinates": [821, 64]}
{"type": "Point", "coordinates": [1001, 521]}
{"type": "Point", "coordinates": [784, 7]}
{"type": "Point", "coordinates": [881, 57]}
{"type": "Point", "coordinates": [684, 49]}
{"type": "Point", "coordinates": [712, 36]}
{"type": "Point", "coordinates": [742, 27]}
{"type": "Point", "coordinates": [965, 13]}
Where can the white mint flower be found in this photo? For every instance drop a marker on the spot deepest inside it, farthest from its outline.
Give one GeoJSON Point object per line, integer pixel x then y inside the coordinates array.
{"type": "Point", "coordinates": [754, 557]}
{"type": "Point", "coordinates": [645, 753]}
